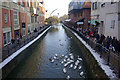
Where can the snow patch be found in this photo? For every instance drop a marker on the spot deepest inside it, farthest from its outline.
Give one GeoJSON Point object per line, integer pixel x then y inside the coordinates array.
{"type": "Point", "coordinates": [6, 61]}
{"type": "Point", "coordinates": [100, 61]}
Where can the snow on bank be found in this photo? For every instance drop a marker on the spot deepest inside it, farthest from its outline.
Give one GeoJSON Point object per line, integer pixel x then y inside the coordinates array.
{"type": "Point", "coordinates": [6, 61]}
{"type": "Point", "coordinates": [100, 61]}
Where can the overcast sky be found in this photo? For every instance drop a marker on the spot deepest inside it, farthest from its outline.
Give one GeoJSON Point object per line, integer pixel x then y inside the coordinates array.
{"type": "Point", "coordinates": [60, 5]}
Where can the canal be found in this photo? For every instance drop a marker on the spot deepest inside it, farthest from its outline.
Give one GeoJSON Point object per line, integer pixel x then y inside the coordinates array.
{"type": "Point", "coordinates": [57, 41]}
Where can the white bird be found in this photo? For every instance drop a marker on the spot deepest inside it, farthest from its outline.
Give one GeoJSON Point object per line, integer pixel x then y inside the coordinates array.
{"type": "Point", "coordinates": [71, 57]}
{"type": "Point", "coordinates": [77, 62]}
{"type": "Point", "coordinates": [55, 57]}
{"type": "Point", "coordinates": [68, 77]}
{"type": "Point", "coordinates": [68, 63]}
{"type": "Point", "coordinates": [52, 60]}
{"type": "Point", "coordinates": [70, 54]}
{"type": "Point", "coordinates": [66, 56]}
{"type": "Point", "coordinates": [68, 59]}
{"type": "Point", "coordinates": [75, 67]}
{"type": "Point", "coordinates": [81, 74]}
{"type": "Point", "coordinates": [71, 66]}
{"type": "Point", "coordinates": [80, 59]}
{"type": "Point", "coordinates": [62, 62]}
{"type": "Point", "coordinates": [62, 55]}
{"type": "Point", "coordinates": [64, 70]}
{"type": "Point", "coordinates": [80, 67]}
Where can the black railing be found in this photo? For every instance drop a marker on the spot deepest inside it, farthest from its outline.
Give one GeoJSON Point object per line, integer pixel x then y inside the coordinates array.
{"type": "Point", "coordinates": [11, 48]}
{"type": "Point", "coordinates": [110, 57]}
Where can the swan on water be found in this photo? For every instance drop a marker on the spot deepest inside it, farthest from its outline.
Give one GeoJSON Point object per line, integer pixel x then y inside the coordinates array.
{"type": "Point", "coordinates": [71, 66]}
{"type": "Point", "coordinates": [68, 77]}
{"type": "Point", "coordinates": [80, 67]}
{"type": "Point", "coordinates": [71, 57]}
{"type": "Point", "coordinates": [52, 60]}
{"type": "Point", "coordinates": [80, 59]}
{"type": "Point", "coordinates": [66, 56]}
{"type": "Point", "coordinates": [81, 74]}
{"type": "Point", "coordinates": [62, 55]}
{"type": "Point", "coordinates": [55, 57]}
{"type": "Point", "coordinates": [64, 70]}
{"type": "Point", "coordinates": [75, 67]}
{"type": "Point", "coordinates": [62, 62]}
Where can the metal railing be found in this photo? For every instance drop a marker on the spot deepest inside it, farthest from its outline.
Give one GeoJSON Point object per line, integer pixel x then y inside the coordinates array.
{"type": "Point", "coordinates": [110, 57]}
{"type": "Point", "coordinates": [11, 48]}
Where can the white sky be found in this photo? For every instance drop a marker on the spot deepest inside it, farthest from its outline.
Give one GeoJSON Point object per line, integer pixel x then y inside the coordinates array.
{"type": "Point", "coordinates": [60, 5]}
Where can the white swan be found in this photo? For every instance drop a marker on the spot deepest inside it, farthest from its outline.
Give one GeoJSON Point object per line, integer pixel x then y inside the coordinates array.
{"type": "Point", "coordinates": [64, 70]}
{"type": "Point", "coordinates": [75, 67]}
{"type": "Point", "coordinates": [71, 66]}
{"type": "Point", "coordinates": [52, 60]}
{"type": "Point", "coordinates": [81, 74]}
{"type": "Point", "coordinates": [80, 67]}
{"type": "Point", "coordinates": [55, 57]}
{"type": "Point", "coordinates": [68, 77]}
{"type": "Point", "coordinates": [80, 59]}
{"type": "Point", "coordinates": [62, 62]}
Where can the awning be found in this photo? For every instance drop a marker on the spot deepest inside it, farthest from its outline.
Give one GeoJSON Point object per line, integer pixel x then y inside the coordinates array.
{"type": "Point", "coordinates": [81, 21]}
{"type": "Point", "coordinates": [67, 20]}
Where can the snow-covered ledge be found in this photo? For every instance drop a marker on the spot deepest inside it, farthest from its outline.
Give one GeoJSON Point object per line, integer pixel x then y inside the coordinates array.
{"type": "Point", "coordinates": [7, 60]}
{"type": "Point", "coordinates": [100, 61]}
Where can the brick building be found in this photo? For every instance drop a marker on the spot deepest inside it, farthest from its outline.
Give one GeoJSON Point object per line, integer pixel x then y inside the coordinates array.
{"type": "Point", "coordinates": [20, 17]}
{"type": "Point", "coordinates": [80, 12]}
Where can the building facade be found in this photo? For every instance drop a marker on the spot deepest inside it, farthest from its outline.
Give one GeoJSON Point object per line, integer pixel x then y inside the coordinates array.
{"type": "Point", "coordinates": [108, 15]}
{"type": "Point", "coordinates": [80, 11]}
{"type": "Point", "coordinates": [20, 17]}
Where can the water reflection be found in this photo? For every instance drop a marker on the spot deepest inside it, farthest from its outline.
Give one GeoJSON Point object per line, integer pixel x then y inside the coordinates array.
{"type": "Point", "coordinates": [37, 64]}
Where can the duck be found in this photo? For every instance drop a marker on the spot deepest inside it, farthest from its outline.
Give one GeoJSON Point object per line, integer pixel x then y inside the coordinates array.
{"type": "Point", "coordinates": [80, 59]}
{"type": "Point", "coordinates": [62, 55]}
{"type": "Point", "coordinates": [68, 77]}
{"type": "Point", "coordinates": [71, 66]}
{"type": "Point", "coordinates": [62, 62]}
{"type": "Point", "coordinates": [52, 60]}
{"type": "Point", "coordinates": [64, 70]}
{"type": "Point", "coordinates": [66, 56]}
{"type": "Point", "coordinates": [80, 67]}
{"type": "Point", "coordinates": [81, 74]}
{"type": "Point", "coordinates": [71, 57]}
{"type": "Point", "coordinates": [55, 57]}
{"type": "Point", "coordinates": [75, 67]}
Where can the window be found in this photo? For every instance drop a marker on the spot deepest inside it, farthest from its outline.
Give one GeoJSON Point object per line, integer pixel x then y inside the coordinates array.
{"type": "Point", "coordinates": [113, 1]}
{"type": "Point", "coordinates": [22, 3]}
{"type": "Point", "coordinates": [112, 24]}
{"type": "Point", "coordinates": [5, 17]}
{"type": "Point", "coordinates": [8, 37]}
{"type": "Point", "coordinates": [23, 31]}
{"type": "Point", "coordinates": [94, 5]}
{"type": "Point", "coordinates": [15, 1]}
{"type": "Point", "coordinates": [119, 17]}
{"type": "Point", "coordinates": [15, 17]}
{"type": "Point", "coordinates": [4, 38]}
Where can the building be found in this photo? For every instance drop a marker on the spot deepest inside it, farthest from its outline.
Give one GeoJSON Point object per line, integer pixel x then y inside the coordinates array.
{"type": "Point", "coordinates": [107, 14]}
{"type": "Point", "coordinates": [20, 17]}
{"type": "Point", "coordinates": [80, 12]}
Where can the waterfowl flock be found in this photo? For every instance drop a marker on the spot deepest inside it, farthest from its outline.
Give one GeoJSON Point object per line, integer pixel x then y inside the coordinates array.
{"type": "Point", "coordinates": [69, 61]}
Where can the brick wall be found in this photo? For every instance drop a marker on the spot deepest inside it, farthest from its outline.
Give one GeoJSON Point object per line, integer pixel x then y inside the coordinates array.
{"type": "Point", "coordinates": [3, 17]}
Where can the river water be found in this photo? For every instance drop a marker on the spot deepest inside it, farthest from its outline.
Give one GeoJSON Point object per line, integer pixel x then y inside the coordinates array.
{"type": "Point", "coordinates": [37, 64]}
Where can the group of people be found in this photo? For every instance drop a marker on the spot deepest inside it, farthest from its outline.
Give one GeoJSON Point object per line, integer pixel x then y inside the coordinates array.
{"type": "Point", "coordinates": [108, 42]}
